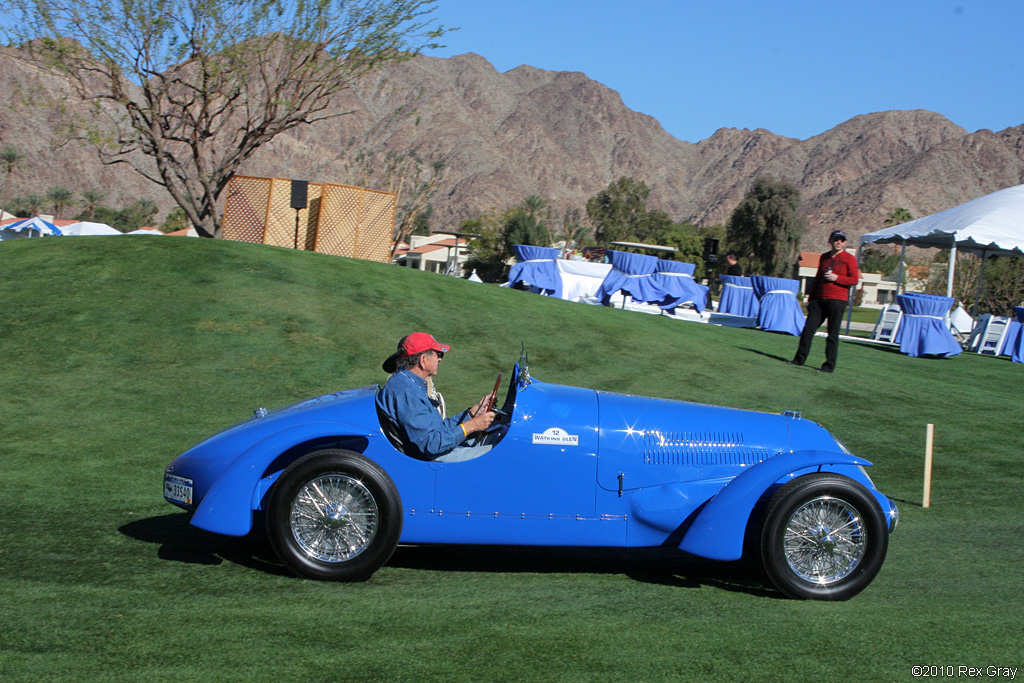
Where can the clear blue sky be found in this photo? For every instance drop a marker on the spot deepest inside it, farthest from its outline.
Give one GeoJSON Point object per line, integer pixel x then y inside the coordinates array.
{"type": "Point", "coordinates": [794, 67]}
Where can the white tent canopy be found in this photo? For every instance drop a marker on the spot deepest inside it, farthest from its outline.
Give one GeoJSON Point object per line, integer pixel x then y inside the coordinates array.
{"type": "Point", "coordinates": [83, 228]}
{"type": "Point", "coordinates": [992, 225]}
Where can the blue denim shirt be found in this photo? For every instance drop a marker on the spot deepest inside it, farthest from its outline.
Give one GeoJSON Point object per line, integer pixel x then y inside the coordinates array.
{"type": "Point", "coordinates": [425, 435]}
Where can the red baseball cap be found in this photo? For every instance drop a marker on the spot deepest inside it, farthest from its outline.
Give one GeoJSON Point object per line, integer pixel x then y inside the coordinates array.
{"type": "Point", "coordinates": [417, 342]}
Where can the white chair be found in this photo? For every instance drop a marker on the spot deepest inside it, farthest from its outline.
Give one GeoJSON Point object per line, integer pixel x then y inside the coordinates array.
{"type": "Point", "coordinates": [888, 323]}
{"type": "Point", "coordinates": [977, 332]}
{"type": "Point", "coordinates": [993, 334]}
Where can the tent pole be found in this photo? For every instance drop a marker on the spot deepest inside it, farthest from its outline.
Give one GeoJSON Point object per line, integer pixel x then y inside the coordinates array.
{"type": "Point", "coordinates": [952, 267]}
{"type": "Point", "coordinates": [900, 288]}
{"type": "Point", "coordinates": [850, 302]}
{"type": "Point", "coordinates": [977, 291]}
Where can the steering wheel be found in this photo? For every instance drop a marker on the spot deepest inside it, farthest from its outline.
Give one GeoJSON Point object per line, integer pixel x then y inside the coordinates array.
{"type": "Point", "coordinates": [492, 398]}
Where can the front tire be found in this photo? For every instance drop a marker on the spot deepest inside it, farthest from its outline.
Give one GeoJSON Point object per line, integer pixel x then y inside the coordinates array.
{"type": "Point", "coordinates": [824, 538]}
{"type": "Point", "coordinates": [334, 515]}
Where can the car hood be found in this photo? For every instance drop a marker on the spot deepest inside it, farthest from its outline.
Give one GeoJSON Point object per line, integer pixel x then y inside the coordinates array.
{"type": "Point", "coordinates": [647, 441]}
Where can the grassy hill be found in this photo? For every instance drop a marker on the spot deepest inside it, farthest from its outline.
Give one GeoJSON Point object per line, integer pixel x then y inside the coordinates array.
{"type": "Point", "coordinates": [118, 353]}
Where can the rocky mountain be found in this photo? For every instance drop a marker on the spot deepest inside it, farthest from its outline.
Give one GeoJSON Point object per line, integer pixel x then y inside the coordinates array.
{"type": "Point", "coordinates": [564, 137]}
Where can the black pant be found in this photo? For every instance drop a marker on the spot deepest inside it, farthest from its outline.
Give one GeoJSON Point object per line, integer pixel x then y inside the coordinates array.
{"type": "Point", "coordinates": [817, 311]}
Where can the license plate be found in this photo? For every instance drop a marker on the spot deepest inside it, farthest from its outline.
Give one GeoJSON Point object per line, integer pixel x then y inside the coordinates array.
{"type": "Point", "coordinates": [177, 489]}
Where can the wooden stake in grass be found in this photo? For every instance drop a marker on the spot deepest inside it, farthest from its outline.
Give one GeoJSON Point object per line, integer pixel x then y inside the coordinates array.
{"type": "Point", "coordinates": [928, 441]}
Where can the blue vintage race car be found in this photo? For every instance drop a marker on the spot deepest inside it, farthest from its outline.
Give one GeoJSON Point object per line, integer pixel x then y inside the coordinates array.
{"type": "Point", "coordinates": [572, 467]}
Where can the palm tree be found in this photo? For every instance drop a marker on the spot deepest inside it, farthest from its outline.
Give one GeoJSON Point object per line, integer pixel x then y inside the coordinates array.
{"type": "Point", "coordinates": [59, 198]}
{"type": "Point", "coordinates": [534, 205]}
{"type": "Point", "coordinates": [92, 199]}
{"type": "Point", "coordinates": [897, 216]}
{"type": "Point", "coordinates": [10, 158]}
{"type": "Point", "coordinates": [33, 204]}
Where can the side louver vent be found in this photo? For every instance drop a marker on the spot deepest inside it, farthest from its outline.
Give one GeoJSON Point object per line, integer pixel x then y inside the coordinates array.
{"type": "Point", "coordinates": [700, 448]}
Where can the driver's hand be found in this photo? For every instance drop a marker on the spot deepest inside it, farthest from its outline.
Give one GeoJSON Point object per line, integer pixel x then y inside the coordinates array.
{"type": "Point", "coordinates": [479, 422]}
{"type": "Point", "coordinates": [475, 410]}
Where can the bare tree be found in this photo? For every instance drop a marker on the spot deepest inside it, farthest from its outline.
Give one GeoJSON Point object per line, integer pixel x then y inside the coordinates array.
{"type": "Point", "coordinates": [185, 91]}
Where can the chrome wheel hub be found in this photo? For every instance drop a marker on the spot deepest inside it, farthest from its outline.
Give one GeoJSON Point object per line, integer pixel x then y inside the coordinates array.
{"type": "Point", "coordinates": [334, 518]}
{"type": "Point", "coordinates": [825, 540]}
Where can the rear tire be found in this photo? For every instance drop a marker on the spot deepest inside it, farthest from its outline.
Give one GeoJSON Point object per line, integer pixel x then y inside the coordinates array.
{"type": "Point", "coordinates": [334, 515]}
{"type": "Point", "coordinates": [825, 538]}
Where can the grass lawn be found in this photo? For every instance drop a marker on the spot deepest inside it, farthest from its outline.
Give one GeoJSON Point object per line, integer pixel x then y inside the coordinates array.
{"type": "Point", "coordinates": [120, 352]}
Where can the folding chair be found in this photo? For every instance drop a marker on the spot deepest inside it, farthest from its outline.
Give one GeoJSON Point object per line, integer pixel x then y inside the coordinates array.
{"type": "Point", "coordinates": [990, 341]}
{"type": "Point", "coordinates": [888, 323]}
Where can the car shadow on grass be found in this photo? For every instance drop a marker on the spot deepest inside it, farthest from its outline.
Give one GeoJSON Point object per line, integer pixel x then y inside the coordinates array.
{"type": "Point", "coordinates": [181, 542]}
{"type": "Point", "coordinates": [661, 566]}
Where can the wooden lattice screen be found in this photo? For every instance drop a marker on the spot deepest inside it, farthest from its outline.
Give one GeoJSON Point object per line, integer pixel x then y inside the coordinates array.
{"type": "Point", "coordinates": [339, 219]}
{"type": "Point", "coordinates": [356, 222]}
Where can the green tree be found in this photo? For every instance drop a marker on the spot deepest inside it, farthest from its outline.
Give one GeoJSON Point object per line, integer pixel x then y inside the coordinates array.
{"type": "Point", "coordinates": [59, 198]}
{"type": "Point", "coordinates": [765, 226]}
{"type": "Point", "coordinates": [10, 158]}
{"type": "Point", "coordinates": [522, 228]}
{"type": "Point", "coordinates": [879, 260]}
{"type": "Point", "coordinates": [186, 91]}
{"type": "Point", "coordinates": [132, 217]}
{"type": "Point", "coordinates": [486, 254]}
{"type": "Point", "coordinates": [688, 241]}
{"type": "Point", "coordinates": [618, 211]}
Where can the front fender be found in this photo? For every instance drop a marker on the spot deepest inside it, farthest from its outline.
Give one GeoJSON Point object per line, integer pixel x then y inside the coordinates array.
{"type": "Point", "coordinates": [227, 506]}
{"type": "Point", "coordinates": [718, 531]}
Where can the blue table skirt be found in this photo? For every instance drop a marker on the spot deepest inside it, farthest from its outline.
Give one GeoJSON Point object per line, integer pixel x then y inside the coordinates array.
{"type": "Point", "coordinates": [738, 297]}
{"type": "Point", "coordinates": [780, 309]}
{"type": "Point", "coordinates": [923, 329]}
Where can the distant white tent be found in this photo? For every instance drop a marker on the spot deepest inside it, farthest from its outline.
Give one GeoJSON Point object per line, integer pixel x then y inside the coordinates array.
{"type": "Point", "coordinates": [83, 228]}
{"type": "Point", "coordinates": [992, 225]}
{"type": "Point", "coordinates": [145, 231]}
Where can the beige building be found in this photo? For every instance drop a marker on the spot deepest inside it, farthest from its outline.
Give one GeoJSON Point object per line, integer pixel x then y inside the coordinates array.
{"type": "Point", "coordinates": [438, 253]}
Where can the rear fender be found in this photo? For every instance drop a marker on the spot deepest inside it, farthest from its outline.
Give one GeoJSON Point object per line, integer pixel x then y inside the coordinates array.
{"type": "Point", "coordinates": [719, 529]}
{"type": "Point", "coordinates": [228, 505]}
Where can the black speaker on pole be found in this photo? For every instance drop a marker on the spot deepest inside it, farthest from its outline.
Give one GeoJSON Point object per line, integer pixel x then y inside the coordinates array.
{"type": "Point", "coordinates": [711, 249]}
{"type": "Point", "coordinates": [299, 190]}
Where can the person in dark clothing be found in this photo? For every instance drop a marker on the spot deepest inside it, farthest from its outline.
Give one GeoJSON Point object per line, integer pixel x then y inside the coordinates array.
{"type": "Point", "coordinates": [734, 266]}
{"type": "Point", "coordinates": [827, 300]}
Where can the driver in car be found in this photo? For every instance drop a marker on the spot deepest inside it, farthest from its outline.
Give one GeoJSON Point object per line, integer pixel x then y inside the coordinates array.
{"type": "Point", "coordinates": [411, 418]}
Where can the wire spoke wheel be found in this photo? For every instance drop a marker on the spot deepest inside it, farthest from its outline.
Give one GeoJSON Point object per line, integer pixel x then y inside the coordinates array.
{"type": "Point", "coordinates": [334, 515]}
{"type": "Point", "coordinates": [824, 537]}
{"type": "Point", "coordinates": [825, 540]}
{"type": "Point", "coordinates": [334, 518]}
